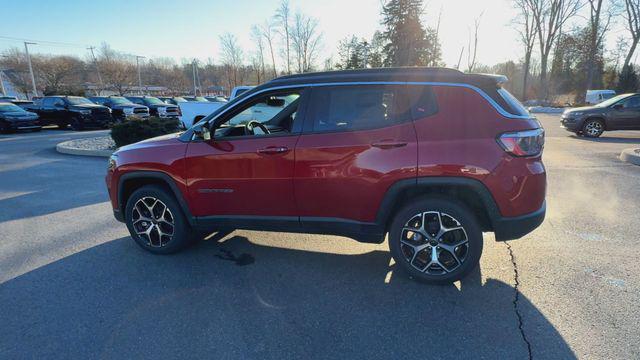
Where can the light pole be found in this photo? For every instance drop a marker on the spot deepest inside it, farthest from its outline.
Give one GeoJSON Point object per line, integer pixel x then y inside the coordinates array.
{"type": "Point", "coordinates": [4, 91]}
{"type": "Point", "coordinates": [138, 57]}
{"type": "Point", "coordinates": [33, 78]}
{"type": "Point", "coordinates": [193, 68]}
{"type": "Point", "coordinates": [95, 61]}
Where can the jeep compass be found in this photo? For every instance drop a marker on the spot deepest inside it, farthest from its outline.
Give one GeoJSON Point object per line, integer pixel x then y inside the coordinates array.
{"type": "Point", "coordinates": [427, 158]}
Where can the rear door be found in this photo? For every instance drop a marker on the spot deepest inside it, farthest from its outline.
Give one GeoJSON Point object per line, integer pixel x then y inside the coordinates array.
{"type": "Point", "coordinates": [358, 140]}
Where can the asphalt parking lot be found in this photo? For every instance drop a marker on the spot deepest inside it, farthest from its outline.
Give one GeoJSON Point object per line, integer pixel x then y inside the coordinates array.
{"type": "Point", "coordinates": [73, 285]}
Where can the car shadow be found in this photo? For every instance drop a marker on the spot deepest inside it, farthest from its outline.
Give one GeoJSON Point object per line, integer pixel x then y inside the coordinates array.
{"type": "Point", "coordinates": [605, 138]}
{"type": "Point", "coordinates": [115, 300]}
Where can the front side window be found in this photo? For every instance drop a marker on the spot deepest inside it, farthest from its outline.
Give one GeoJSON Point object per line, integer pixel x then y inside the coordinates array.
{"type": "Point", "coordinates": [345, 108]}
{"type": "Point", "coordinates": [631, 103]}
{"type": "Point", "coordinates": [264, 114]}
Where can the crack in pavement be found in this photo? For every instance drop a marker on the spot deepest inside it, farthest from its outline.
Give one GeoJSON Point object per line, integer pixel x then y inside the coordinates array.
{"type": "Point", "coordinates": [516, 298]}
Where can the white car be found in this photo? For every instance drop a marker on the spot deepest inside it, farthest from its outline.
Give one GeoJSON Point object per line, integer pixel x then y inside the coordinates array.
{"type": "Point", "coordinates": [239, 90]}
{"type": "Point", "coordinates": [194, 111]}
{"type": "Point", "coordinates": [597, 96]}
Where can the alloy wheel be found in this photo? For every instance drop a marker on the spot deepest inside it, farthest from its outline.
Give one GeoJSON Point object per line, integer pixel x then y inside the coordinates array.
{"type": "Point", "coordinates": [434, 243]}
{"type": "Point", "coordinates": [153, 221]}
{"type": "Point", "coordinates": [593, 128]}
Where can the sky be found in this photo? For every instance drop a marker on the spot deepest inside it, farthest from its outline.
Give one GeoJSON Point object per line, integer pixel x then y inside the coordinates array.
{"type": "Point", "coordinates": [184, 30]}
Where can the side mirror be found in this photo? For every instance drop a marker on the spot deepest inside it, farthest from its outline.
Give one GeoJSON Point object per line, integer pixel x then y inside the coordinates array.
{"type": "Point", "coordinates": [618, 106]}
{"type": "Point", "coordinates": [201, 132]}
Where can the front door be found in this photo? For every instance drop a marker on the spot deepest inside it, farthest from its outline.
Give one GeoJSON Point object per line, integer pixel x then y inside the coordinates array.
{"type": "Point", "coordinates": [359, 140]}
{"type": "Point", "coordinates": [626, 114]}
{"type": "Point", "coordinates": [246, 169]}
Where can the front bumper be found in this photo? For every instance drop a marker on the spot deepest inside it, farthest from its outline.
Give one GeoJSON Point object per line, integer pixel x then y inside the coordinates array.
{"type": "Point", "coordinates": [510, 228]}
{"type": "Point", "coordinates": [571, 124]}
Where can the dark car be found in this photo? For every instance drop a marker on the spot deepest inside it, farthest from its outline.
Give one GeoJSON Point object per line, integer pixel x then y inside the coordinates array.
{"type": "Point", "coordinates": [121, 107]}
{"type": "Point", "coordinates": [8, 98]}
{"type": "Point", "coordinates": [13, 117]}
{"type": "Point", "coordinates": [431, 157]}
{"type": "Point", "coordinates": [216, 98]}
{"type": "Point", "coordinates": [156, 106]}
{"type": "Point", "coordinates": [621, 112]}
{"type": "Point", "coordinates": [76, 111]}
{"type": "Point", "coordinates": [173, 100]}
{"type": "Point", "coordinates": [195, 98]}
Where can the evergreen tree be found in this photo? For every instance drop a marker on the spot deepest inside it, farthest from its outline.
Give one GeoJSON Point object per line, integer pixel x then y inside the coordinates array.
{"type": "Point", "coordinates": [627, 80]}
{"type": "Point", "coordinates": [408, 42]}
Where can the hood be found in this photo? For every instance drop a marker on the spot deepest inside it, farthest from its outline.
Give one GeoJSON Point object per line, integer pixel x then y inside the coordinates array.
{"type": "Point", "coordinates": [87, 107]}
{"type": "Point", "coordinates": [585, 109]}
{"type": "Point", "coordinates": [18, 115]}
{"type": "Point", "coordinates": [162, 140]}
{"type": "Point", "coordinates": [128, 106]}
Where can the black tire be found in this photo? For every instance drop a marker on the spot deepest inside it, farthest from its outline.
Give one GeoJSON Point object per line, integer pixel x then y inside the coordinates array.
{"type": "Point", "coordinates": [468, 254]}
{"type": "Point", "coordinates": [592, 128]}
{"type": "Point", "coordinates": [182, 234]}
{"type": "Point", "coordinates": [77, 124]}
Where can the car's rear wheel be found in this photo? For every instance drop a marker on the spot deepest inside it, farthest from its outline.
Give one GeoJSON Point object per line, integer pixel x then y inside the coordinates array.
{"type": "Point", "coordinates": [593, 128]}
{"type": "Point", "coordinates": [435, 240]}
{"type": "Point", "coordinates": [156, 221]}
{"type": "Point", "coordinates": [77, 124]}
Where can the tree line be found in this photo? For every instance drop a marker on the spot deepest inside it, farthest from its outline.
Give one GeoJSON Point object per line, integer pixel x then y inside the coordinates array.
{"type": "Point", "coordinates": [563, 52]}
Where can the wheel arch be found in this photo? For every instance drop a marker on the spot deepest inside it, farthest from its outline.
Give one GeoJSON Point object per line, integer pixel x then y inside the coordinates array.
{"type": "Point", "coordinates": [470, 192]}
{"type": "Point", "coordinates": [129, 182]}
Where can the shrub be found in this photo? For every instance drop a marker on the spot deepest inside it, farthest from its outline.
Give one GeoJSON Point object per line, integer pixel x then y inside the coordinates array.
{"type": "Point", "coordinates": [134, 130]}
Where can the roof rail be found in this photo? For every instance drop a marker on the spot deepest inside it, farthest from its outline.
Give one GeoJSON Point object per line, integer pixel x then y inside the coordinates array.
{"type": "Point", "coordinates": [418, 69]}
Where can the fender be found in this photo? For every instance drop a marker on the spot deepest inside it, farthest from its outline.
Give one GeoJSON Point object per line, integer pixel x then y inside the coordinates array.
{"type": "Point", "coordinates": [394, 191]}
{"type": "Point", "coordinates": [156, 175]}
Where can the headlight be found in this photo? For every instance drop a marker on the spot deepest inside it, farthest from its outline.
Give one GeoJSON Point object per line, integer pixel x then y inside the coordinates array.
{"type": "Point", "coordinates": [112, 162]}
{"type": "Point", "coordinates": [576, 113]}
{"type": "Point", "coordinates": [85, 112]}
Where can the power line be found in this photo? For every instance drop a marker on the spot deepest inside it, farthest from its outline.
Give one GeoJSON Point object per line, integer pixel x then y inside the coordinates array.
{"type": "Point", "coordinates": [58, 43]}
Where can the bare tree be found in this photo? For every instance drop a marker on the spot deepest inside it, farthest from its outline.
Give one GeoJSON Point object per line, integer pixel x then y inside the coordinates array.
{"type": "Point", "coordinates": [283, 19]}
{"type": "Point", "coordinates": [632, 17]}
{"type": "Point", "coordinates": [232, 57]}
{"type": "Point", "coordinates": [59, 72]}
{"type": "Point", "coordinates": [471, 55]}
{"type": "Point", "coordinates": [256, 36]}
{"type": "Point", "coordinates": [549, 16]}
{"type": "Point", "coordinates": [118, 70]}
{"type": "Point", "coordinates": [305, 39]}
{"type": "Point", "coordinates": [598, 26]}
{"type": "Point", "coordinates": [527, 33]}
{"type": "Point", "coordinates": [267, 32]}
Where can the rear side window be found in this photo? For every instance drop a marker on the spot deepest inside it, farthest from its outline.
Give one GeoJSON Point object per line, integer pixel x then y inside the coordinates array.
{"type": "Point", "coordinates": [345, 108]}
{"type": "Point", "coordinates": [516, 107]}
{"type": "Point", "coordinates": [422, 100]}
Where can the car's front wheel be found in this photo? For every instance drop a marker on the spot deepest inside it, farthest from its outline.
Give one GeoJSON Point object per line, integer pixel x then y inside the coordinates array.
{"type": "Point", "coordinates": [435, 240]}
{"type": "Point", "coordinates": [593, 128]}
{"type": "Point", "coordinates": [156, 221]}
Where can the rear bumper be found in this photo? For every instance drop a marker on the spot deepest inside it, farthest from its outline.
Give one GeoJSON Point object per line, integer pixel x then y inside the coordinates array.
{"type": "Point", "coordinates": [510, 228]}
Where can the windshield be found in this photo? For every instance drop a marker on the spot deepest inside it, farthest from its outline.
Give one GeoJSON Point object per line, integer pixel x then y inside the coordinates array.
{"type": "Point", "coordinates": [120, 101]}
{"type": "Point", "coordinates": [76, 100]}
{"type": "Point", "coordinates": [613, 100]}
{"type": "Point", "coordinates": [179, 99]}
{"type": "Point", "coordinates": [9, 108]}
{"type": "Point", "coordinates": [153, 101]}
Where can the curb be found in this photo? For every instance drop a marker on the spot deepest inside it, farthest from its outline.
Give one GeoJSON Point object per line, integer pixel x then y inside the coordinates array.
{"type": "Point", "coordinates": [67, 147]}
{"type": "Point", "coordinates": [631, 155]}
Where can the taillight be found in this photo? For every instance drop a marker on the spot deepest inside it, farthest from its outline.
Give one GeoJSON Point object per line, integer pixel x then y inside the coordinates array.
{"type": "Point", "coordinates": [523, 143]}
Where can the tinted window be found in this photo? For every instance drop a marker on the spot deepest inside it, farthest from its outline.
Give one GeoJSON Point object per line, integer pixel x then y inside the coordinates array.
{"type": "Point", "coordinates": [423, 101]}
{"type": "Point", "coordinates": [632, 102]}
{"type": "Point", "coordinates": [356, 107]}
{"type": "Point", "coordinates": [516, 106]}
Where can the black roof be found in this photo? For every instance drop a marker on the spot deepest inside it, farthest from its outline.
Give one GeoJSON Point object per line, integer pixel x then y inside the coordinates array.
{"type": "Point", "coordinates": [402, 74]}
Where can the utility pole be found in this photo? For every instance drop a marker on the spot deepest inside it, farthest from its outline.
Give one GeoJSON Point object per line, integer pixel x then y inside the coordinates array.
{"type": "Point", "coordinates": [95, 61]}
{"type": "Point", "coordinates": [138, 57]}
{"type": "Point", "coordinates": [4, 91]}
{"type": "Point", "coordinates": [33, 78]}
{"type": "Point", "coordinates": [193, 69]}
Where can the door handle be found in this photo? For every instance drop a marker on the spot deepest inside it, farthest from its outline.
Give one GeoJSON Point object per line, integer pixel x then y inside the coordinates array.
{"type": "Point", "coordinates": [271, 150]}
{"type": "Point", "coordinates": [388, 144]}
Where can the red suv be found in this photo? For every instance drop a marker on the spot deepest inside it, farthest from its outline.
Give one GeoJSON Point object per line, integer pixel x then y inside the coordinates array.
{"type": "Point", "coordinates": [431, 157]}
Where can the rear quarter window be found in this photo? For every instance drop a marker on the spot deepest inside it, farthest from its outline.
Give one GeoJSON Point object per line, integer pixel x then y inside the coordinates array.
{"type": "Point", "coordinates": [516, 108]}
